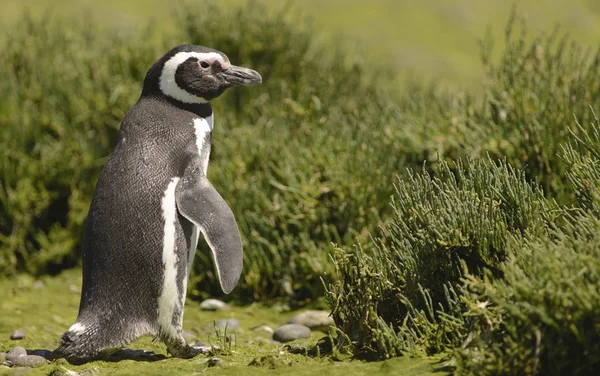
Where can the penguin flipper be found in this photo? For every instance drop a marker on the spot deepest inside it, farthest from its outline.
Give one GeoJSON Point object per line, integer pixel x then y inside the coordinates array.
{"type": "Point", "coordinates": [200, 203]}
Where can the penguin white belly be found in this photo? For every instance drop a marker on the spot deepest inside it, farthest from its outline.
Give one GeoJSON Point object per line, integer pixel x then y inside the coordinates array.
{"type": "Point", "coordinates": [203, 130]}
{"type": "Point", "coordinates": [169, 300]}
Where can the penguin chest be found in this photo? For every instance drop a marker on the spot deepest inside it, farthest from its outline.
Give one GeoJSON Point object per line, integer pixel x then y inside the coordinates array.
{"type": "Point", "coordinates": [203, 135]}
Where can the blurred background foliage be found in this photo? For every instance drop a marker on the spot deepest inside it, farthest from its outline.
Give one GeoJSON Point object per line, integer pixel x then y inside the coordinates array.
{"type": "Point", "coordinates": [435, 216]}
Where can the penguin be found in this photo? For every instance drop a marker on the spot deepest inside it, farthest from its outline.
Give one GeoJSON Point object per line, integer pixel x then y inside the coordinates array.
{"type": "Point", "coordinates": [151, 202]}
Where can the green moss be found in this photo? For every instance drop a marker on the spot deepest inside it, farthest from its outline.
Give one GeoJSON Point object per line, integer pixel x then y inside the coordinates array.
{"type": "Point", "coordinates": [43, 313]}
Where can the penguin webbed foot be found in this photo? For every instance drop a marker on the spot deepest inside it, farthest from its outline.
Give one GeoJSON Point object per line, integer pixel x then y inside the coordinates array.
{"type": "Point", "coordinates": [180, 349]}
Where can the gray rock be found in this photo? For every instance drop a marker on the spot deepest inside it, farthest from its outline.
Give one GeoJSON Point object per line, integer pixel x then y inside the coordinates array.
{"type": "Point", "coordinates": [315, 320]}
{"type": "Point", "coordinates": [38, 285]}
{"type": "Point", "coordinates": [230, 324]}
{"type": "Point", "coordinates": [17, 334]}
{"type": "Point", "coordinates": [188, 335]}
{"type": "Point", "coordinates": [31, 361]}
{"type": "Point", "coordinates": [74, 288]}
{"type": "Point", "coordinates": [290, 332]}
{"type": "Point", "coordinates": [202, 348]}
{"type": "Point", "coordinates": [62, 371]}
{"type": "Point", "coordinates": [45, 353]}
{"type": "Point", "coordinates": [16, 352]}
{"type": "Point", "coordinates": [215, 362]}
{"type": "Point", "coordinates": [213, 305]}
{"type": "Point", "coordinates": [262, 327]}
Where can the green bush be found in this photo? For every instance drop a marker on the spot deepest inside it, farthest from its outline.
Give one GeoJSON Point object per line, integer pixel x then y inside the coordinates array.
{"type": "Point", "coordinates": [410, 294]}
{"type": "Point", "coordinates": [64, 93]}
{"type": "Point", "coordinates": [582, 158]}
{"type": "Point", "coordinates": [543, 317]}
{"type": "Point", "coordinates": [402, 296]}
{"type": "Point", "coordinates": [531, 96]}
{"type": "Point", "coordinates": [304, 160]}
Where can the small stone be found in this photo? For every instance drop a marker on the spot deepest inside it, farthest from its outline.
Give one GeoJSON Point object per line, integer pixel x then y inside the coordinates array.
{"type": "Point", "coordinates": [315, 320]}
{"type": "Point", "coordinates": [38, 285]}
{"type": "Point", "coordinates": [201, 348]}
{"type": "Point", "coordinates": [17, 334]}
{"type": "Point", "coordinates": [45, 353]}
{"type": "Point", "coordinates": [31, 361]}
{"type": "Point", "coordinates": [63, 371]}
{"type": "Point", "coordinates": [188, 335]}
{"type": "Point", "coordinates": [270, 361]}
{"type": "Point", "coordinates": [215, 362]}
{"type": "Point", "coordinates": [213, 305]}
{"type": "Point", "coordinates": [290, 332]}
{"type": "Point", "coordinates": [16, 352]}
{"type": "Point", "coordinates": [262, 327]}
{"type": "Point", "coordinates": [228, 324]}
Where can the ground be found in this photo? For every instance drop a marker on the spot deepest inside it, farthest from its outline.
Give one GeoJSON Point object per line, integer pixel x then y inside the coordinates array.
{"type": "Point", "coordinates": [43, 309]}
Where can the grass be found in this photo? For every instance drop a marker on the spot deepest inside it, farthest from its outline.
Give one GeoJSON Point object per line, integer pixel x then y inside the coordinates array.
{"type": "Point", "coordinates": [43, 313]}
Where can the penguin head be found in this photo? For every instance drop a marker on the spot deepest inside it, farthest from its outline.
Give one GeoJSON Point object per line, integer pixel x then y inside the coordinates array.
{"type": "Point", "coordinates": [196, 74]}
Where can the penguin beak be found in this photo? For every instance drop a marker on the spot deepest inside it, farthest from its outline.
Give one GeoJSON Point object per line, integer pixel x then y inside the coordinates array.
{"type": "Point", "coordinates": [235, 75]}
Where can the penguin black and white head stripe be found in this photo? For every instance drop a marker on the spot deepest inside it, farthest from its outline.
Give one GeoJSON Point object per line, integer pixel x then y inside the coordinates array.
{"type": "Point", "coordinates": [150, 204]}
{"type": "Point", "coordinates": [196, 74]}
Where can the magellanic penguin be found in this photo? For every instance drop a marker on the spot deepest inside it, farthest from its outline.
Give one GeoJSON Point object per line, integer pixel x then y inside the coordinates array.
{"type": "Point", "coordinates": [150, 203]}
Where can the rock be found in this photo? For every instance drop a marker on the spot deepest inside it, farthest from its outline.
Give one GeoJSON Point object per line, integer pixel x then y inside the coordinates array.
{"type": "Point", "coordinates": [38, 285]}
{"type": "Point", "coordinates": [290, 332]}
{"type": "Point", "coordinates": [315, 320]}
{"type": "Point", "coordinates": [202, 348]}
{"type": "Point", "coordinates": [230, 324]}
{"type": "Point", "coordinates": [45, 353]}
{"type": "Point", "coordinates": [188, 335]}
{"type": "Point", "coordinates": [16, 352]}
{"type": "Point", "coordinates": [63, 371]}
{"type": "Point", "coordinates": [215, 362]}
{"type": "Point", "coordinates": [31, 361]}
{"type": "Point", "coordinates": [17, 334]}
{"type": "Point", "coordinates": [270, 361]}
{"type": "Point", "coordinates": [262, 327]}
{"type": "Point", "coordinates": [213, 305]}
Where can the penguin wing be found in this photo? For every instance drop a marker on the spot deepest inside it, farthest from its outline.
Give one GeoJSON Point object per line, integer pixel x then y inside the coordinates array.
{"type": "Point", "coordinates": [200, 203]}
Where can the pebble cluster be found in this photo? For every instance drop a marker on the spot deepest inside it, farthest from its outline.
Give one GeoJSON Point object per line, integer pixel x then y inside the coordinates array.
{"type": "Point", "coordinates": [299, 326]}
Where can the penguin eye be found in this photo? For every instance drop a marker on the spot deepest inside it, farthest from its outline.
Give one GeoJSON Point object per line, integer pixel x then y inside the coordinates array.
{"type": "Point", "coordinates": [204, 64]}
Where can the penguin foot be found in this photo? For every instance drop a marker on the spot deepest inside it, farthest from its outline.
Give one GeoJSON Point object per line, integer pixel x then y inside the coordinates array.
{"type": "Point", "coordinates": [180, 349]}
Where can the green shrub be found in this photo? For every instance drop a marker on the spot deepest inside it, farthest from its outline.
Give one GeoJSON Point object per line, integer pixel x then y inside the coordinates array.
{"type": "Point", "coordinates": [64, 93]}
{"type": "Point", "coordinates": [531, 96]}
{"type": "Point", "coordinates": [543, 317]}
{"type": "Point", "coordinates": [582, 157]}
{"type": "Point", "coordinates": [402, 296]}
{"type": "Point", "coordinates": [303, 160]}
